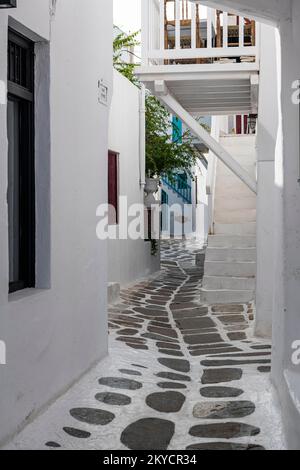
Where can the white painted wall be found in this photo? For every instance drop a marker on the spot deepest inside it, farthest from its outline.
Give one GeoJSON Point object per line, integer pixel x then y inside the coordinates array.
{"type": "Point", "coordinates": [129, 260]}
{"type": "Point", "coordinates": [286, 269]}
{"type": "Point", "coordinates": [267, 129]}
{"type": "Point", "coordinates": [286, 324]}
{"type": "Point", "coordinates": [54, 335]}
{"type": "Point", "coordinates": [202, 208]}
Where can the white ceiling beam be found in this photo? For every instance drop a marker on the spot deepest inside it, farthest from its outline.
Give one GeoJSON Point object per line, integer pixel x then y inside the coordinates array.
{"type": "Point", "coordinates": [202, 72]}
{"type": "Point", "coordinates": [216, 112]}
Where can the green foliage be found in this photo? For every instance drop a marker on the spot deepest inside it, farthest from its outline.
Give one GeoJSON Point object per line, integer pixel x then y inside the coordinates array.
{"type": "Point", "coordinates": [163, 155]}
{"type": "Point", "coordinates": [124, 43]}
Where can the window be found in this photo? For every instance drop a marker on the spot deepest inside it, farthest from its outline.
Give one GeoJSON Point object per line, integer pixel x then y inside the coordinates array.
{"type": "Point", "coordinates": [182, 180]}
{"type": "Point", "coordinates": [242, 124]}
{"type": "Point", "coordinates": [177, 129]}
{"type": "Point", "coordinates": [113, 188]}
{"type": "Point", "coordinates": [21, 171]}
{"type": "Point", "coordinates": [164, 210]}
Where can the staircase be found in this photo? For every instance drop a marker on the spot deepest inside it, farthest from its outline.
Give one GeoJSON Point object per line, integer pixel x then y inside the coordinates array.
{"type": "Point", "coordinates": [180, 187]}
{"type": "Point", "coordinates": [230, 264]}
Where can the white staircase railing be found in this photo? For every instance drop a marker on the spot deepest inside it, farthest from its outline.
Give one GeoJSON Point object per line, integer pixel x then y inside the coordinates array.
{"type": "Point", "coordinates": [179, 31]}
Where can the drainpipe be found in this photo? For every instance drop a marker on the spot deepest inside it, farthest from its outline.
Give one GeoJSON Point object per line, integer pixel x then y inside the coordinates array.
{"type": "Point", "coordinates": [142, 137]}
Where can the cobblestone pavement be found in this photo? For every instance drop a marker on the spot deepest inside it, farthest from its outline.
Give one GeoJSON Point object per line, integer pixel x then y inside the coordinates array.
{"type": "Point", "coordinates": [180, 375]}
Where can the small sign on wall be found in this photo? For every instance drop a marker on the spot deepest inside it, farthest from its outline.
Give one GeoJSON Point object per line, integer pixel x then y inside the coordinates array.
{"type": "Point", "coordinates": [102, 93]}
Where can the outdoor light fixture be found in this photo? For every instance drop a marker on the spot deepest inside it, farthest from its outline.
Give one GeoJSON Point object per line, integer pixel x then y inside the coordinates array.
{"type": "Point", "coordinates": [8, 3]}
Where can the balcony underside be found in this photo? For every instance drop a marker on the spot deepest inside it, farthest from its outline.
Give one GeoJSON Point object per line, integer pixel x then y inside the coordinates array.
{"type": "Point", "coordinates": [228, 89]}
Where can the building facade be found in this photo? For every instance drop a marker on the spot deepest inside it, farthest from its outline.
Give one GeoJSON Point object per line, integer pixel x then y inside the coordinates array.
{"type": "Point", "coordinates": [129, 259]}
{"type": "Point", "coordinates": [56, 85]}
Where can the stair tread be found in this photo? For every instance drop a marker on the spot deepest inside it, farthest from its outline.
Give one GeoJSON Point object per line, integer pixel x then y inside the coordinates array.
{"type": "Point", "coordinates": [232, 277]}
{"type": "Point", "coordinates": [226, 290]}
{"type": "Point", "coordinates": [230, 262]}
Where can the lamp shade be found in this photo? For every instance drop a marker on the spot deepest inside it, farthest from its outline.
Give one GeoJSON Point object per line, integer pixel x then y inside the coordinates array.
{"type": "Point", "coordinates": [8, 3]}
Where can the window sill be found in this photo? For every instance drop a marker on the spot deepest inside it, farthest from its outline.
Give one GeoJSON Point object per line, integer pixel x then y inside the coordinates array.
{"type": "Point", "coordinates": [24, 294]}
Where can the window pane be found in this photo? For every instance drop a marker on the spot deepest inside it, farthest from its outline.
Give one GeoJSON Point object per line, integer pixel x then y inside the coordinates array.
{"type": "Point", "coordinates": [13, 196]}
{"type": "Point", "coordinates": [113, 194]}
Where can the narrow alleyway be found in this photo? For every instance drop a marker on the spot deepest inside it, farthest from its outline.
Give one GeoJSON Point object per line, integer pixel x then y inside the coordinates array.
{"type": "Point", "coordinates": [180, 375]}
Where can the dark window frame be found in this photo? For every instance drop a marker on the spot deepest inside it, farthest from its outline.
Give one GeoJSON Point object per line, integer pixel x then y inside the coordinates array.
{"type": "Point", "coordinates": [113, 218]}
{"type": "Point", "coordinates": [21, 90]}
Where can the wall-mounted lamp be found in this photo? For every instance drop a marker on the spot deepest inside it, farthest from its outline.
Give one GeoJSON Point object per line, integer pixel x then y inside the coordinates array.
{"type": "Point", "coordinates": [8, 3]}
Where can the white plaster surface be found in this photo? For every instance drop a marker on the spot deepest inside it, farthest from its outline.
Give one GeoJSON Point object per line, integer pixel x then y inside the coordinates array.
{"type": "Point", "coordinates": [267, 128]}
{"type": "Point", "coordinates": [129, 259]}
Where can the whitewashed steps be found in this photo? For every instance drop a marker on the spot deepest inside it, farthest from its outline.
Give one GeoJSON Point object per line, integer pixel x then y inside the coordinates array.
{"type": "Point", "coordinates": [233, 268]}
{"type": "Point", "coordinates": [228, 283]}
{"type": "Point", "coordinates": [230, 261]}
{"type": "Point", "coordinates": [226, 296]}
{"type": "Point", "coordinates": [230, 254]}
{"type": "Point", "coordinates": [237, 216]}
{"type": "Point", "coordinates": [248, 228]}
{"type": "Point", "coordinates": [234, 241]}
{"type": "Point", "coordinates": [235, 203]}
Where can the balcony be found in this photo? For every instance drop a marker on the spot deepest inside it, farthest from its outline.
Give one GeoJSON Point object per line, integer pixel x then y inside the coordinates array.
{"type": "Point", "coordinates": [208, 59]}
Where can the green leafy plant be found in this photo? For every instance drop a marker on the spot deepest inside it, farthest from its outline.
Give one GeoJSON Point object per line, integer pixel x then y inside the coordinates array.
{"type": "Point", "coordinates": [154, 247]}
{"type": "Point", "coordinates": [164, 154]}
{"type": "Point", "coordinates": [124, 43]}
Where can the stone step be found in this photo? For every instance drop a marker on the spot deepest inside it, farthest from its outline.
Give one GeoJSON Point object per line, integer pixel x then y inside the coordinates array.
{"type": "Point", "coordinates": [227, 175]}
{"type": "Point", "coordinates": [235, 241]}
{"type": "Point", "coordinates": [226, 296]}
{"type": "Point", "coordinates": [228, 283]}
{"type": "Point", "coordinates": [235, 269]}
{"type": "Point", "coordinates": [229, 188]}
{"type": "Point", "coordinates": [248, 228]}
{"type": "Point", "coordinates": [113, 292]}
{"type": "Point", "coordinates": [238, 216]}
{"type": "Point", "coordinates": [230, 254]}
{"type": "Point", "coordinates": [247, 142]}
{"type": "Point", "coordinates": [233, 203]}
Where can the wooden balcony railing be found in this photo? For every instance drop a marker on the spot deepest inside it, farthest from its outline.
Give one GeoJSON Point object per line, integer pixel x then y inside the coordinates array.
{"type": "Point", "coordinates": [182, 32]}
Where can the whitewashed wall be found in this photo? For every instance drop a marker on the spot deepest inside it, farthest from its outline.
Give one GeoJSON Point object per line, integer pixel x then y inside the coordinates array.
{"type": "Point", "coordinates": [56, 333]}
{"type": "Point", "coordinates": [286, 320]}
{"type": "Point", "coordinates": [267, 129]}
{"type": "Point", "coordinates": [286, 268]}
{"type": "Point", "coordinates": [129, 260]}
{"type": "Point", "coordinates": [202, 208]}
